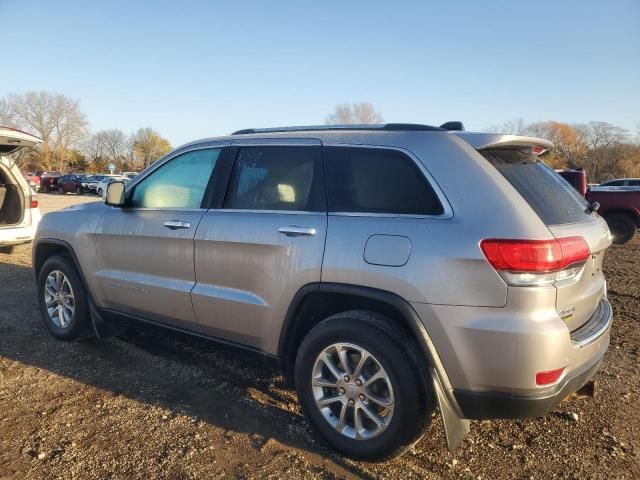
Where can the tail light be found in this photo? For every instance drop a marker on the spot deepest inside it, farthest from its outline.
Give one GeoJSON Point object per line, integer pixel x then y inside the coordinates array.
{"type": "Point", "coordinates": [34, 201]}
{"type": "Point", "coordinates": [536, 262]}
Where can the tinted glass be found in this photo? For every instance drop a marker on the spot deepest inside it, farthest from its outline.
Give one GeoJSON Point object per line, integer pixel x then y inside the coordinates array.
{"type": "Point", "coordinates": [613, 183]}
{"type": "Point", "coordinates": [180, 183]}
{"type": "Point", "coordinates": [633, 183]}
{"type": "Point", "coordinates": [274, 178]}
{"type": "Point", "coordinates": [554, 200]}
{"type": "Point", "coordinates": [374, 180]}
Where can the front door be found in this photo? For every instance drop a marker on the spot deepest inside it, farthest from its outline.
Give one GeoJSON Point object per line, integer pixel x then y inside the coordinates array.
{"type": "Point", "coordinates": [263, 244]}
{"type": "Point", "coordinates": [145, 250]}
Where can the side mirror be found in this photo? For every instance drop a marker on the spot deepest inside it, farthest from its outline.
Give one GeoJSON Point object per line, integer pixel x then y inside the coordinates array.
{"type": "Point", "coordinates": [115, 194]}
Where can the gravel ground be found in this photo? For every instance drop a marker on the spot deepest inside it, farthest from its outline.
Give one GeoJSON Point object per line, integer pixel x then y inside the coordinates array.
{"type": "Point", "coordinates": [155, 404]}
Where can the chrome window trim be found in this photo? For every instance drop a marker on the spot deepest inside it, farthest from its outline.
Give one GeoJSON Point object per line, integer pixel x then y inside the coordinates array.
{"type": "Point", "coordinates": [168, 209]}
{"type": "Point", "coordinates": [286, 212]}
{"type": "Point", "coordinates": [388, 215]}
{"type": "Point", "coordinates": [446, 206]}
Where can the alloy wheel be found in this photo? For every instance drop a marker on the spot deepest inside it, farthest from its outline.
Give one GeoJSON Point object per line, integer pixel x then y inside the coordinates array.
{"type": "Point", "coordinates": [352, 391]}
{"type": "Point", "coordinates": [59, 299]}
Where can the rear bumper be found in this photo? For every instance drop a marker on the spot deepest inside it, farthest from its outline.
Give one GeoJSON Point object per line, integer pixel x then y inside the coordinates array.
{"type": "Point", "coordinates": [21, 234]}
{"type": "Point", "coordinates": [488, 405]}
{"type": "Point", "coordinates": [491, 355]}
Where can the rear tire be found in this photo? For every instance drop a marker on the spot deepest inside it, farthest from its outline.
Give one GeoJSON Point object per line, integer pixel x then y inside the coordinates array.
{"type": "Point", "coordinates": [63, 299]}
{"type": "Point", "coordinates": [392, 356]}
{"type": "Point", "coordinates": [623, 227]}
{"type": "Point", "coordinates": [7, 249]}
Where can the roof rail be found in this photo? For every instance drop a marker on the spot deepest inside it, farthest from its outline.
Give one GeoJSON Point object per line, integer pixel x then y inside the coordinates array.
{"type": "Point", "coordinates": [396, 127]}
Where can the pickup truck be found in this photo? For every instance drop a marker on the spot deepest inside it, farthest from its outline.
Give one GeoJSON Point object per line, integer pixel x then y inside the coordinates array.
{"type": "Point", "coordinates": [48, 180]}
{"type": "Point", "coordinates": [619, 206]}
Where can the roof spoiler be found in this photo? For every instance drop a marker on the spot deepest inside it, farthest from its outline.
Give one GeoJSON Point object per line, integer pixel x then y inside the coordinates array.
{"type": "Point", "coordinates": [487, 141]}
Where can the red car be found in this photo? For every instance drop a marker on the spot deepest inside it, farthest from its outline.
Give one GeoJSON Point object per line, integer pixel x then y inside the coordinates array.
{"type": "Point", "coordinates": [621, 210]}
{"type": "Point", "coordinates": [70, 184]}
{"type": "Point", "coordinates": [33, 180]}
{"type": "Point", "coordinates": [619, 206]}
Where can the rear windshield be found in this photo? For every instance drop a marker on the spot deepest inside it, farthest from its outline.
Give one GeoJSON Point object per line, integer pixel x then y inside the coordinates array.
{"type": "Point", "coordinates": [554, 200]}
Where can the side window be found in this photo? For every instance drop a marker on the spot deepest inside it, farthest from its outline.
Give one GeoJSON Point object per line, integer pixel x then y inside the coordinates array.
{"type": "Point", "coordinates": [275, 178]}
{"type": "Point", "coordinates": [375, 180]}
{"type": "Point", "coordinates": [180, 183]}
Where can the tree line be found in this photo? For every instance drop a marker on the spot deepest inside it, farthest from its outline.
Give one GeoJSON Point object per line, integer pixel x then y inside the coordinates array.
{"type": "Point", "coordinates": [67, 142]}
{"type": "Point", "coordinates": [603, 150]}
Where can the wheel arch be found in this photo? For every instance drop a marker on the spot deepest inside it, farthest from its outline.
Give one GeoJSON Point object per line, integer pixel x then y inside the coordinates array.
{"type": "Point", "coordinates": [45, 248]}
{"type": "Point", "coordinates": [315, 302]}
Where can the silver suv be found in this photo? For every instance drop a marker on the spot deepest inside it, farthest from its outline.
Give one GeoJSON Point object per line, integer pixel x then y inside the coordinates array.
{"type": "Point", "coordinates": [388, 269]}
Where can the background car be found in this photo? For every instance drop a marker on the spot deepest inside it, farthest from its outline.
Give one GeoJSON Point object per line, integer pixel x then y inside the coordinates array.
{"type": "Point", "coordinates": [34, 180]}
{"type": "Point", "coordinates": [32, 183]}
{"type": "Point", "coordinates": [90, 183]}
{"type": "Point", "coordinates": [622, 182]}
{"type": "Point", "coordinates": [101, 188]}
{"type": "Point", "coordinates": [70, 183]}
{"type": "Point", "coordinates": [19, 213]}
{"type": "Point", "coordinates": [48, 180]}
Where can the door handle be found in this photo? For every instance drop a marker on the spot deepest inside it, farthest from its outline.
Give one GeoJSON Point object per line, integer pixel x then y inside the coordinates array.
{"type": "Point", "coordinates": [296, 231]}
{"type": "Point", "coordinates": [175, 224]}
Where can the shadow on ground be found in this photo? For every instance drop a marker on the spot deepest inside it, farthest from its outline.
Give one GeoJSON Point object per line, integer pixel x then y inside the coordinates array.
{"type": "Point", "coordinates": [187, 375]}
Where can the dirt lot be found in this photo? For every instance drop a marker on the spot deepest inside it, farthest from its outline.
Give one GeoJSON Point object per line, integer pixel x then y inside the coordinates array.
{"type": "Point", "coordinates": [154, 404]}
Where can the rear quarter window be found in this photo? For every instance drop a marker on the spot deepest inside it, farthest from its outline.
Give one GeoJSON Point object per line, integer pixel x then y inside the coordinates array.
{"type": "Point", "coordinates": [554, 200]}
{"type": "Point", "coordinates": [377, 180]}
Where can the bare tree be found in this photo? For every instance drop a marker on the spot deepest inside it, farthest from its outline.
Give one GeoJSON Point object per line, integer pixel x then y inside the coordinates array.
{"type": "Point", "coordinates": [95, 148]}
{"type": "Point", "coordinates": [7, 118]}
{"type": "Point", "coordinates": [362, 113]}
{"type": "Point", "coordinates": [605, 142]}
{"type": "Point", "coordinates": [115, 144]}
{"type": "Point", "coordinates": [56, 119]}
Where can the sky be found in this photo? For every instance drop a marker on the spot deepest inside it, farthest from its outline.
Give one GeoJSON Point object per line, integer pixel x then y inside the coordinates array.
{"type": "Point", "coordinates": [194, 69]}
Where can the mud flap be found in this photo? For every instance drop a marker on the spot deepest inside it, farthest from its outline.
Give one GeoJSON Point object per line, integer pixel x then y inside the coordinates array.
{"type": "Point", "coordinates": [101, 327]}
{"type": "Point", "coordinates": [455, 427]}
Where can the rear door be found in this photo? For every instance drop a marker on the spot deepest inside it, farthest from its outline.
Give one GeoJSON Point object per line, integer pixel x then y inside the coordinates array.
{"type": "Point", "coordinates": [145, 250]}
{"type": "Point", "coordinates": [11, 141]}
{"type": "Point", "coordinates": [261, 243]}
{"type": "Point", "coordinates": [566, 214]}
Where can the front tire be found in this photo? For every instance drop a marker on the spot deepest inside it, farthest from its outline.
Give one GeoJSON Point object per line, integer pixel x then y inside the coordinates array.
{"type": "Point", "coordinates": [360, 383]}
{"type": "Point", "coordinates": [63, 300]}
{"type": "Point", "coordinates": [7, 249]}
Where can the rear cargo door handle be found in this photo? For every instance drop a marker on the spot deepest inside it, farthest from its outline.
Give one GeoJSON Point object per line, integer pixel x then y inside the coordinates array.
{"type": "Point", "coordinates": [296, 231]}
{"type": "Point", "coordinates": [175, 224]}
